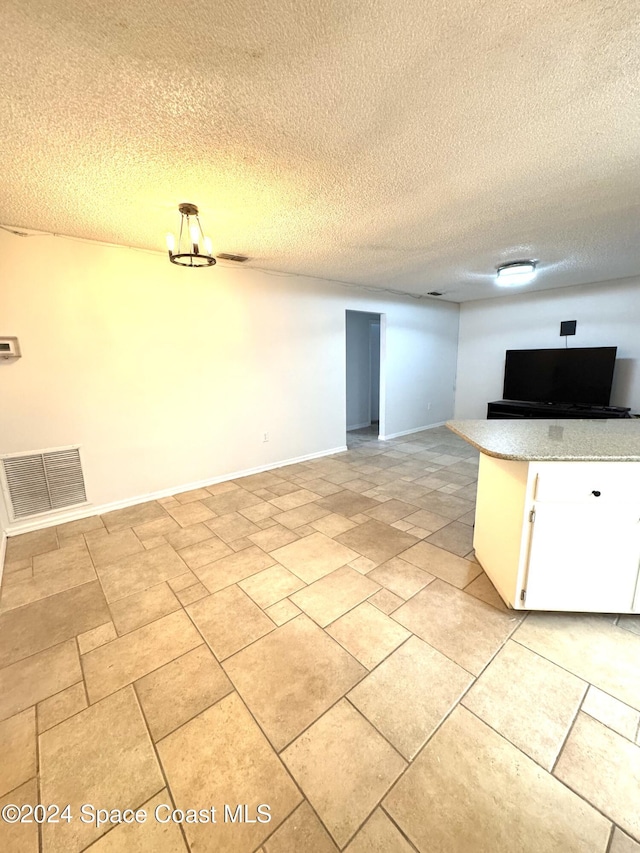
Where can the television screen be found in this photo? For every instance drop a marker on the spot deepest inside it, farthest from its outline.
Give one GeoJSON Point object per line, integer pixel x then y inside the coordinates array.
{"type": "Point", "coordinates": [583, 375]}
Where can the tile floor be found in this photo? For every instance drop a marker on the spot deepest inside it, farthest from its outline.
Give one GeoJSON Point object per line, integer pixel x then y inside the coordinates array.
{"type": "Point", "coordinates": [319, 639]}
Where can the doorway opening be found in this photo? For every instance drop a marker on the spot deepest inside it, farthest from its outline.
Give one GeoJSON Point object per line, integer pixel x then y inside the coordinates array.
{"type": "Point", "coordinates": [365, 385]}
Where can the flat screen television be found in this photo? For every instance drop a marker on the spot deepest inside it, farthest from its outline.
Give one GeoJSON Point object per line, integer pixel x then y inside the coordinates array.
{"type": "Point", "coordinates": [582, 375]}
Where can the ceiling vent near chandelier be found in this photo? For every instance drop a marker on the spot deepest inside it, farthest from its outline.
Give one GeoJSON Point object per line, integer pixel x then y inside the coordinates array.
{"type": "Point", "coordinates": [238, 259]}
{"type": "Point", "coordinates": [43, 481]}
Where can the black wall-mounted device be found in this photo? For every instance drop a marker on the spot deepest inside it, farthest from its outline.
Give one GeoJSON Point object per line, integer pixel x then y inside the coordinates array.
{"type": "Point", "coordinates": [568, 327]}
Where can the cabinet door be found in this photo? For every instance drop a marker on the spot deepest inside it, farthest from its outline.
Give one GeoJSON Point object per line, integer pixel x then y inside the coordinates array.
{"type": "Point", "coordinates": [583, 557]}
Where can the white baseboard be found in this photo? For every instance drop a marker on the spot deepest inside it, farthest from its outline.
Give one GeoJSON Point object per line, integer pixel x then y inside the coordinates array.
{"type": "Point", "coordinates": [3, 551]}
{"type": "Point", "coordinates": [86, 510]}
{"type": "Point", "coordinates": [358, 426]}
{"type": "Point", "coordinates": [411, 431]}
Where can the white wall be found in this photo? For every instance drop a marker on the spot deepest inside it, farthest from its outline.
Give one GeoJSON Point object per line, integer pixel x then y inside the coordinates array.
{"type": "Point", "coordinates": [359, 368]}
{"type": "Point", "coordinates": [374, 340]}
{"type": "Point", "coordinates": [168, 376]}
{"type": "Point", "coordinates": [608, 314]}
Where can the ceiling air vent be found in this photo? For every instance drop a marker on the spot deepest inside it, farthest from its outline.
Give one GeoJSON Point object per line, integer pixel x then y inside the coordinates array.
{"type": "Point", "coordinates": [434, 293]}
{"type": "Point", "coordinates": [239, 259]}
{"type": "Point", "coordinates": [44, 481]}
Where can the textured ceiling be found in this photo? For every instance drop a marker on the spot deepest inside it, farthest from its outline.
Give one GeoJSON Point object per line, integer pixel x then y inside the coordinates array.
{"type": "Point", "coordinates": [408, 145]}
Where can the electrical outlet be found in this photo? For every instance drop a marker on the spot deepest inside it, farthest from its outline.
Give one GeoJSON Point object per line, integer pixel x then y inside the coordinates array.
{"type": "Point", "coordinates": [265, 436]}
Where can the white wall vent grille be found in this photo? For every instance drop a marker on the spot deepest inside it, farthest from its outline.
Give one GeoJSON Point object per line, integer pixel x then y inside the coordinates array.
{"type": "Point", "coordinates": [44, 481]}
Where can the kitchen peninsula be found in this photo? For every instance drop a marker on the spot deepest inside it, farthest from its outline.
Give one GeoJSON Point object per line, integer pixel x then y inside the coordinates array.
{"type": "Point", "coordinates": [557, 522]}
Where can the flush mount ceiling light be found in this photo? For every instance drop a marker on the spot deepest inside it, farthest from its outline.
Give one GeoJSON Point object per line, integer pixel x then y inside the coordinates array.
{"type": "Point", "coordinates": [515, 273]}
{"type": "Point", "coordinates": [194, 249]}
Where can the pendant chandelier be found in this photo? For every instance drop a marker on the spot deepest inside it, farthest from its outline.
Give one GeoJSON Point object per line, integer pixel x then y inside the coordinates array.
{"type": "Point", "coordinates": [193, 248]}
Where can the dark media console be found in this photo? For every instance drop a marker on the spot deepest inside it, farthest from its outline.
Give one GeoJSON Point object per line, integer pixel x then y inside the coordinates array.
{"type": "Point", "coordinates": [515, 409]}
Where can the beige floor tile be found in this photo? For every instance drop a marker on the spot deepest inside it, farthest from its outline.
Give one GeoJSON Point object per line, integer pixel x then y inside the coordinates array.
{"type": "Point", "coordinates": [401, 577]}
{"type": "Point", "coordinates": [181, 689]}
{"type": "Point", "coordinates": [20, 837]}
{"type": "Point", "coordinates": [612, 712]}
{"type": "Point", "coordinates": [222, 488]}
{"type": "Point", "coordinates": [139, 572]}
{"type": "Point", "coordinates": [192, 495]}
{"type": "Point", "coordinates": [275, 536]}
{"type": "Point", "coordinates": [298, 517]}
{"type": "Point", "coordinates": [367, 634]}
{"type": "Point", "coordinates": [190, 513]}
{"type": "Point", "coordinates": [18, 750]}
{"type": "Point", "coordinates": [182, 581]}
{"type": "Point", "coordinates": [291, 676]}
{"type": "Point", "coordinates": [295, 499]}
{"type": "Point", "coordinates": [455, 537]}
{"type": "Point", "coordinates": [229, 621]}
{"type": "Point", "coordinates": [409, 694]}
{"type": "Point", "coordinates": [385, 601]}
{"type": "Point", "coordinates": [348, 503]}
{"type": "Point", "coordinates": [60, 707]}
{"type": "Point", "coordinates": [46, 583]}
{"type": "Point", "coordinates": [220, 757]}
{"type": "Point", "coordinates": [132, 516]}
{"type": "Point", "coordinates": [379, 542]}
{"type": "Point", "coordinates": [234, 567]}
{"type": "Point", "coordinates": [471, 790]}
{"type": "Point", "coordinates": [158, 527]}
{"type": "Point", "coordinates": [343, 793]}
{"type": "Point", "coordinates": [263, 480]}
{"type": "Point", "coordinates": [139, 609]}
{"type": "Point", "coordinates": [528, 700]}
{"type": "Point", "coordinates": [282, 612]}
{"type": "Point", "coordinates": [622, 843]}
{"type": "Point", "coordinates": [51, 620]}
{"type": "Point", "coordinates": [231, 501]}
{"type": "Point", "coordinates": [153, 835]}
{"type": "Point", "coordinates": [333, 524]}
{"type": "Point", "coordinates": [204, 552]}
{"type": "Point", "coordinates": [482, 589]}
{"type": "Point", "coordinates": [30, 544]}
{"type": "Point", "coordinates": [103, 755]}
{"type": "Point", "coordinates": [328, 598]}
{"type": "Point", "coordinates": [323, 487]}
{"type": "Point", "coordinates": [589, 646]}
{"type": "Point", "coordinates": [464, 629]}
{"type": "Point", "coordinates": [314, 556]}
{"type": "Point", "coordinates": [71, 529]}
{"type": "Point", "coordinates": [37, 677]}
{"type": "Point", "coordinates": [391, 510]}
{"type": "Point", "coordinates": [185, 536]}
{"type": "Point", "coordinates": [232, 526]}
{"type": "Point", "coordinates": [260, 512]}
{"type": "Point", "coordinates": [449, 506]}
{"type": "Point", "coordinates": [379, 835]}
{"type": "Point", "coordinates": [604, 768]}
{"type": "Point", "coordinates": [106, 548]}
{"type": "Point", "coordinates": [271, 585]}
{"type": "Point", "coordinates": [192, 593]}
{"type": "Point", "coordinates": [362, 565]}
{"type": "Point", "coordinates": [96, 637]}
{"type": "Point", "coordinates": [301, 831]}
{"type": "Point", "coordinates": [449, 567]}
{"type": "Point", "coordinates": [155, 542]}
{"type": "Point", "coordinates": [111, 667]}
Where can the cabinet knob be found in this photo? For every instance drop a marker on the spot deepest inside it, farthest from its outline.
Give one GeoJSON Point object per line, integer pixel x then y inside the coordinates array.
{"type": "Point", "coordinates": [596, 493]}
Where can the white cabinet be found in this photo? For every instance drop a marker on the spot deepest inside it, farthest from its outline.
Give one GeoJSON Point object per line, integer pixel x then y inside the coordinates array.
{"type": "Point", "coordinates": [561, 535]}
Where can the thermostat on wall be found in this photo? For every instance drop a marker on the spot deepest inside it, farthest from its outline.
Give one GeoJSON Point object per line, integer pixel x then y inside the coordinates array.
{"type": "Point", "coordinates": [9, 348]}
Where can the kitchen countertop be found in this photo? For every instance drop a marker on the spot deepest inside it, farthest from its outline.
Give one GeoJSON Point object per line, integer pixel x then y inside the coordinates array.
{"type": "Point", "coordinates": [528, 440]}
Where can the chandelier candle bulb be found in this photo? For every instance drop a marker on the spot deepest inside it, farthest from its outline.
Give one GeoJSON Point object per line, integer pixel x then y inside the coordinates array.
{"type": "Point", "coordinates": [171, 243]}
{"type": "Point", "coordinates": [194, 238]}
{"type": "Point", "coordinates": [208, 248]}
